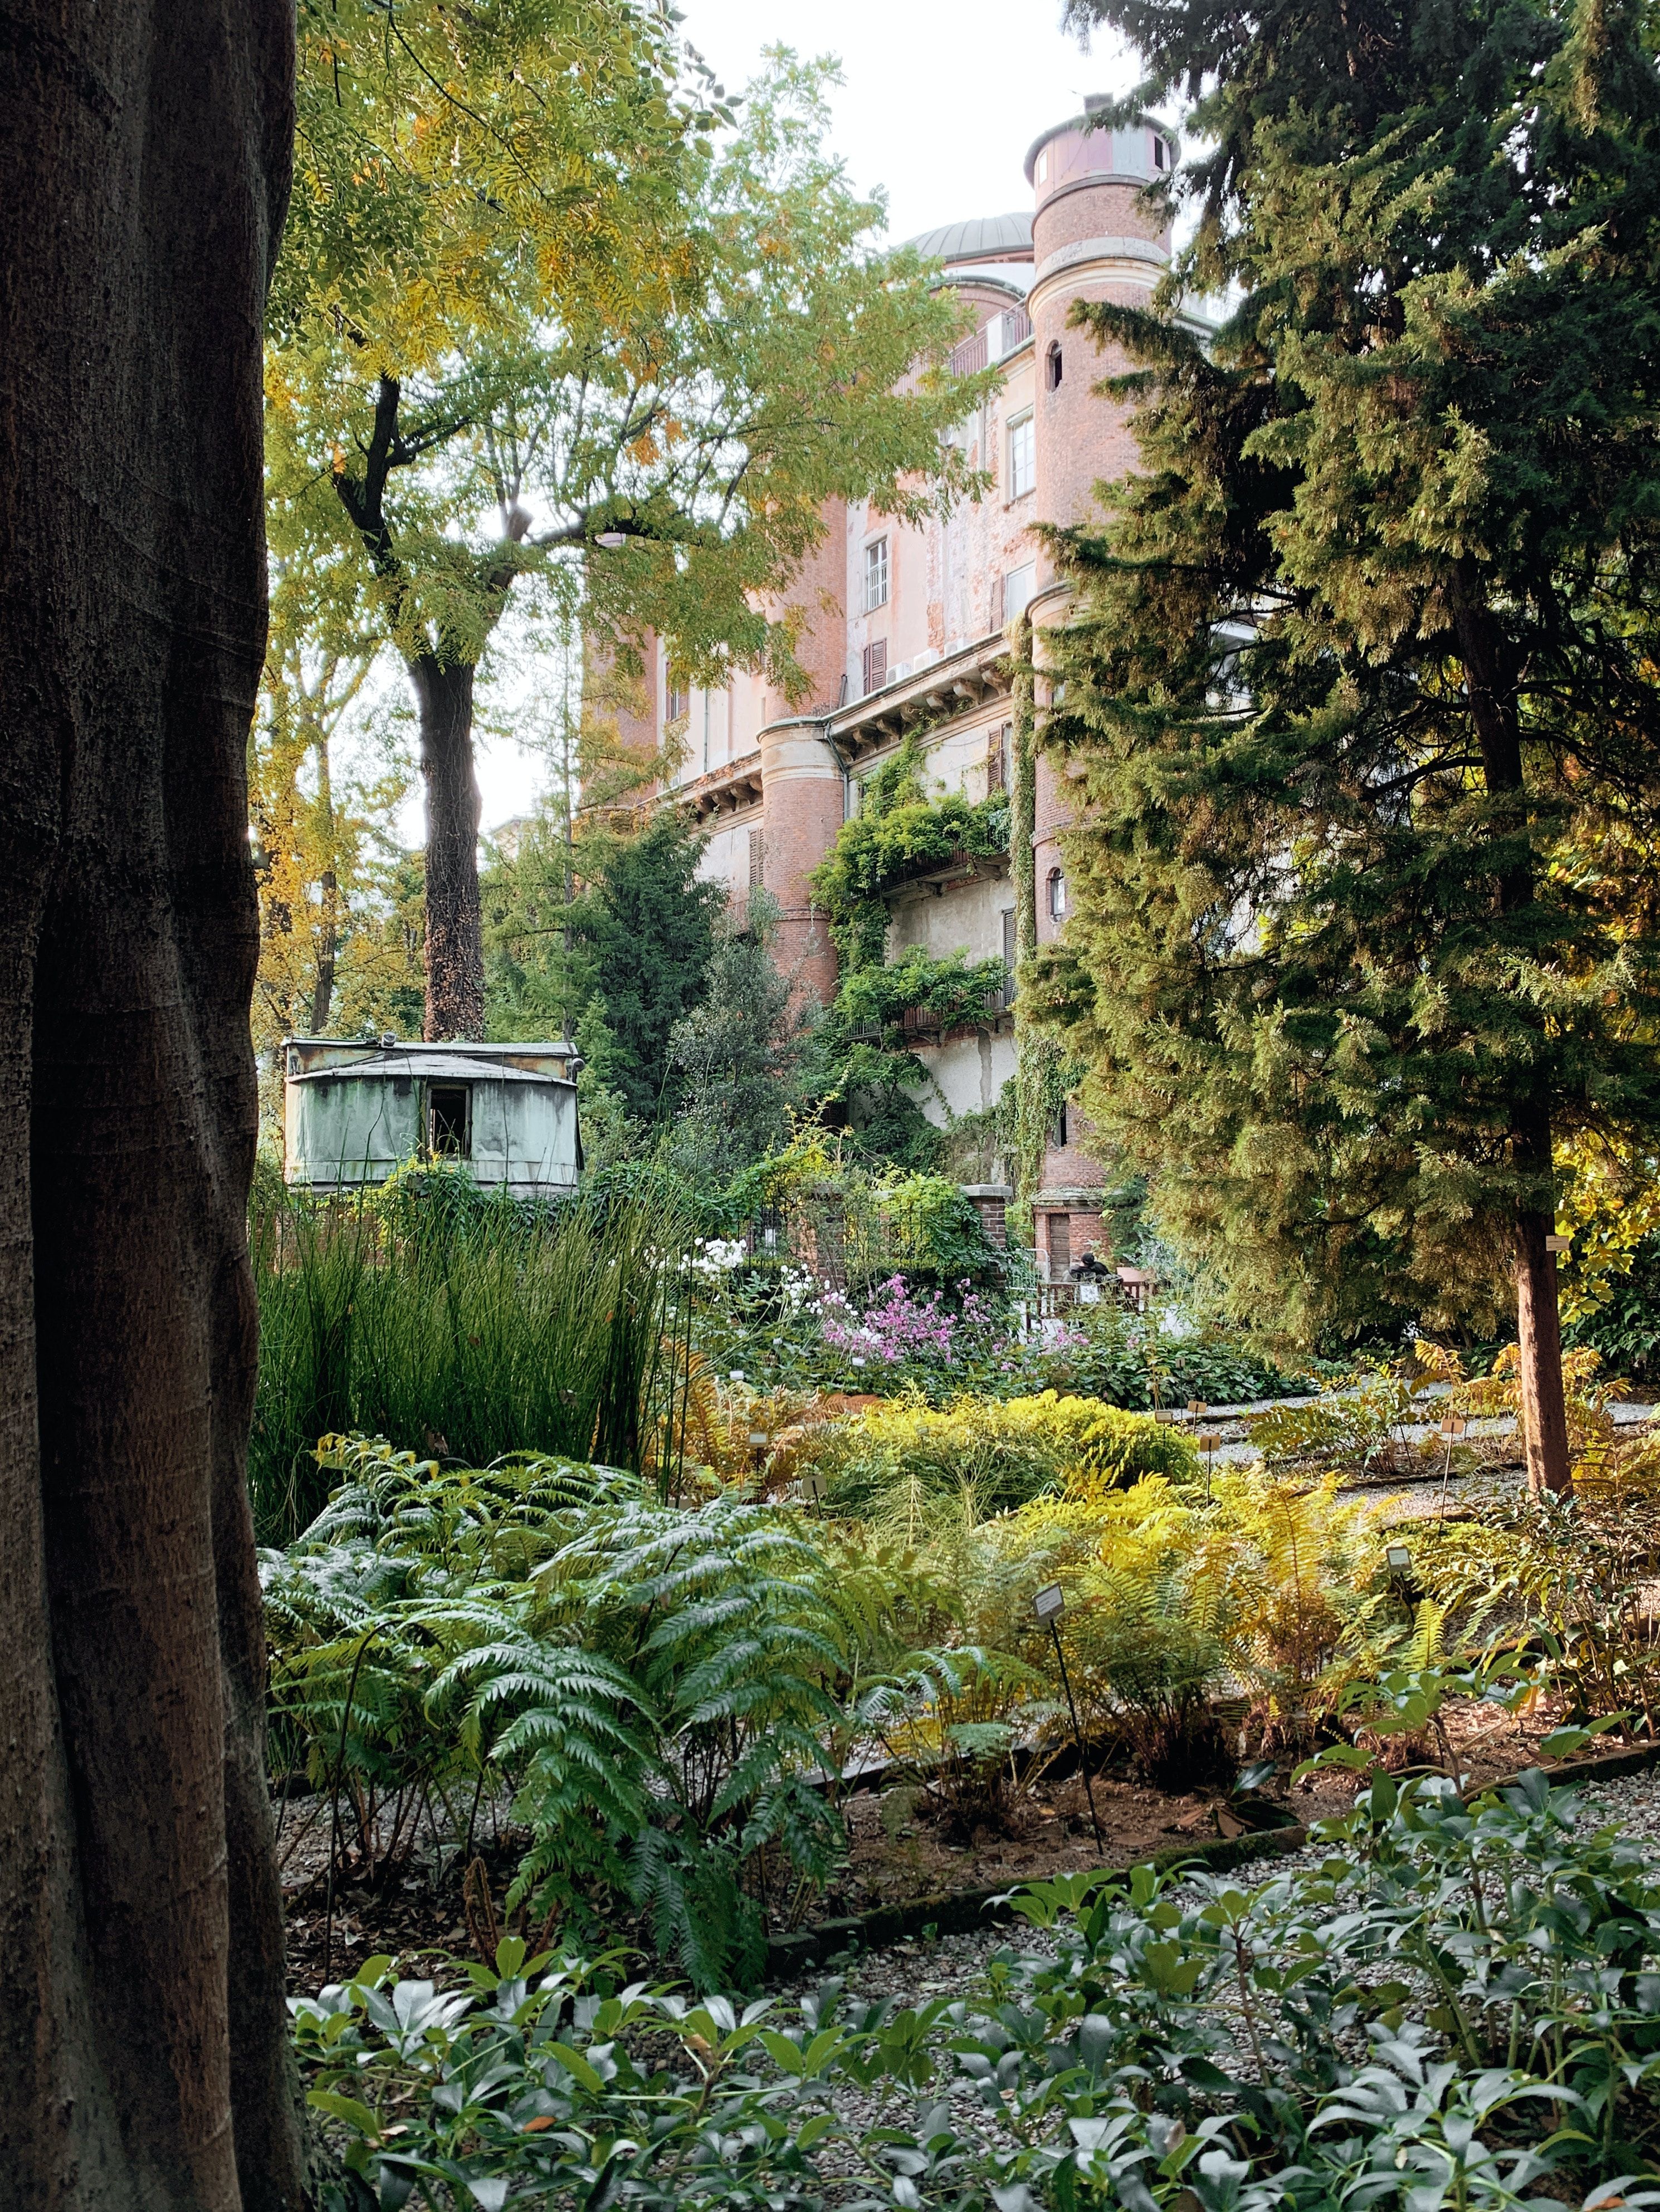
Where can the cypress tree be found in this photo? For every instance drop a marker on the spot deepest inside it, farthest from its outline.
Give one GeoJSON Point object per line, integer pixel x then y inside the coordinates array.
{"type": "Point", "coordinates": [1361, 669]}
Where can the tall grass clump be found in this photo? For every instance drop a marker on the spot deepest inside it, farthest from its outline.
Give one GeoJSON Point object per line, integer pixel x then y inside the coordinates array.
{"type": "Point", "coordinates": [459, 1324]}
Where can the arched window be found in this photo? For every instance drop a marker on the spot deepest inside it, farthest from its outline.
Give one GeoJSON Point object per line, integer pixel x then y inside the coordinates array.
{"type": "Point", "coordinates": [1057, 884]}
{"type": "Point", "coordinates": [1052, 366]}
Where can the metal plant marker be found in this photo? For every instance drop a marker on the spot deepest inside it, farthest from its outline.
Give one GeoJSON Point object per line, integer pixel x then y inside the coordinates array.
{"type": "Point", "coordinates": [1454, 1425]}
{"type": "Point", "coordinates": [1047, 1605]}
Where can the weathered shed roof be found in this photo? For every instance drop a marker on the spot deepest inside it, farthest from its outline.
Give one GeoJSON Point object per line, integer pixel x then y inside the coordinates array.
{"type": "Point", "coordinates": [394, 1063]}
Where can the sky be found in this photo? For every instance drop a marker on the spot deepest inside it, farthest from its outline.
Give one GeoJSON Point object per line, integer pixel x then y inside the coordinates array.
{"type": "Point", "coordinates": [940, 102]}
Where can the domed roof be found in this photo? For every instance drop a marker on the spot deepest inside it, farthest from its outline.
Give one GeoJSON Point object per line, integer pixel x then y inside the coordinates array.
{"type": "Point", "coordinates": [987, 238]}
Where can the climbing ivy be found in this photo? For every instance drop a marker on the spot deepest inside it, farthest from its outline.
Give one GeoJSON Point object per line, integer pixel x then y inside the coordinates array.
{"type": "Point", "coordinates": [899, 832]}
{"type": "Point", "coordinates": [1035, 1094]}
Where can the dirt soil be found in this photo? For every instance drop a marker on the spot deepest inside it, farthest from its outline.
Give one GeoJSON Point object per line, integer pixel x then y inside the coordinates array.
{"type": "Point", "coordinates": [899, 1848]}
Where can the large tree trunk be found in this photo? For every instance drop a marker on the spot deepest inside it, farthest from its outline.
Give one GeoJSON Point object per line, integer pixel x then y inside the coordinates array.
{"type": "Point", "coordinates": [455, 942]}
{"type": "Point", "coordinates": [143, 167]}
{"type": "Point", "coordinates": [1538, 1322]}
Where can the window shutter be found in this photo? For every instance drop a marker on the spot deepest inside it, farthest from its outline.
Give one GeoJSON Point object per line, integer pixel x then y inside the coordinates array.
{"type": "Point", "coordinates": [996, 603]}
{"type": "Point", "coordinates": [876, 665]}
{"type": "Point", "coordinates": [757, 859]}
{"type": "Point", "coordinates": [997, 760]}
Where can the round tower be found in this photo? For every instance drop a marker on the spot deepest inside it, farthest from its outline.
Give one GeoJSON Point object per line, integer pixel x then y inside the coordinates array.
{"type": "Point", "coordinates": [1093, 238]}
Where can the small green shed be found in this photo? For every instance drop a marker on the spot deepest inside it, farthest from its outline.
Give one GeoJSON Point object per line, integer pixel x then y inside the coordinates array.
{"type": "Point", "coordinates": [352, 1112]}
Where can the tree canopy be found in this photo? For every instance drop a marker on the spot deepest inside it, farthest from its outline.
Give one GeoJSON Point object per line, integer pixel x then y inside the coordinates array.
{"type": "Point", "coordinates": [1362, 667]}
{"type": "Point", "coordinates": [546, 292]}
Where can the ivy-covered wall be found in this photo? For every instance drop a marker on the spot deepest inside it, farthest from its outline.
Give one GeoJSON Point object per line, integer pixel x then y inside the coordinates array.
{"type": "Point", "coordinates": [901, 832]}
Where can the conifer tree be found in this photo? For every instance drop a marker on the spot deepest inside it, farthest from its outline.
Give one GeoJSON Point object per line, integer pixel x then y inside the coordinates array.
{"type": "Point", "coordinates": [1366, 641]}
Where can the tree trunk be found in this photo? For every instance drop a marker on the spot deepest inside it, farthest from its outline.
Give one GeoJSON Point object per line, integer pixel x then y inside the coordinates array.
{"type": "Point", "coordinates": [144, 2064]}
{"type": "Point", "coordinates": [328, 918]}
{"type": "Point", "coordinates": [455, 938]}
{"type": "Point", "coordinates": [1538, 1322]}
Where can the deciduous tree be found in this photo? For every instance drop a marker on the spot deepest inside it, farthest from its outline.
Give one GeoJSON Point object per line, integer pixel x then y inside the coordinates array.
{"type": "Point", "coordinates": [544, 302]}
{"type": "Point", "coordinates": [145, 154]}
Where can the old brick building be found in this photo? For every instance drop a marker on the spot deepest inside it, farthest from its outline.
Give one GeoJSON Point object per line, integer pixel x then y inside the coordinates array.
{"type": "Point", "coordinates": [907, 627]}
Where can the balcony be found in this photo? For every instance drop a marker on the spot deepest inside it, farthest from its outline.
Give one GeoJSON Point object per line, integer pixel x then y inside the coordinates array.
{"type": "Point", "coordinates": [1003, 334]}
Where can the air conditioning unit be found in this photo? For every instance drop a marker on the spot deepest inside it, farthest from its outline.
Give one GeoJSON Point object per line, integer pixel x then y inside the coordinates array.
{"type": "Point", "coordinates": [994, 338]}
{"type": "Point", "coordinates": [897, 673]}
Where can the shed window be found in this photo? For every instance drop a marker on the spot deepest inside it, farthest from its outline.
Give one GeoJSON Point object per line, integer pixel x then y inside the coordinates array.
{"type": "Point", "coordinates": [449, 1121]}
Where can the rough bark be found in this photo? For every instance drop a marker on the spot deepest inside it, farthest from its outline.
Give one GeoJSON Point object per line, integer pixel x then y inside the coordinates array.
{"type": "Point", "coordinates": [144, 169]}
{"type": "Point", "coordinates": [328, 918]}
{"type": "Point", "coordinates": [455, 941]}
{"type": "Point", "coordinates": [1538, 1321]}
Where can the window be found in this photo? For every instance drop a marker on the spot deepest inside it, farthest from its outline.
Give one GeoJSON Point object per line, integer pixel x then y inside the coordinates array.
{"type": "Point", "coordinates": [1057, 897]}
{"type": "Point", "coordinates": [1041, 174]}
{"type": "Point", "coordinates": [1059, 1128]}
{"type": "Point", "coordinates": [1018, 588]}
{"type": "Point", "coordinates": [997, 761]}
{"type": "Point", "coordinates": [757, 860]}
{"type": "Point", "coordinates": [1023, 456]}
{"type": "Point", "coordinates": [677, 702]}
{"type": "Point", "coordinates": [876, 575]}
{"type": "Point", "coordinates": [449, 1121]}
{"type": "Point", "coordinates": [876, 665]}
{"type": "Point", "coordinates": [1160, 152]}
{"type": "Point", "coordinates": [1052, 367]}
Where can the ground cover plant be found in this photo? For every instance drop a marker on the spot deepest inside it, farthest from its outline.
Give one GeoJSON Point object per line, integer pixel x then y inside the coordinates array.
{"type": "Point", "coordinates": [1450, 2005]}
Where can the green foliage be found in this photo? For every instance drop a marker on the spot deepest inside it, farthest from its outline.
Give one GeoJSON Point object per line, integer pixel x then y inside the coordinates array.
{"type": "Point", "coordinates": [1128, 1363]}
{"type": "Point", "coordinates": [1625, 1326]}
{"type": "Point", "coordinates": [650, 1683]}
{"type": "Point", "coordinates": [739, 1055]}
{"type": "Point", "coordinates": [541, 286]}
{"type": "Point", "coordinates": [456, 1321]}
{"type": "Point", "coordinates": [1240, 2046]}
{"type": "Point", "coordinates": [1363, 664]}
{"type": "Point", "coordinates": [646, 931]}
{"type": "Point", "coordinates": [899, 832]}
{"type": "Point", "coordinates": [891, 1460]}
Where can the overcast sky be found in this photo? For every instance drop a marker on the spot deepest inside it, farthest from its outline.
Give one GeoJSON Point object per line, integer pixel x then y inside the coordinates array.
{"type": "Point", "coordinates": [940, 101]}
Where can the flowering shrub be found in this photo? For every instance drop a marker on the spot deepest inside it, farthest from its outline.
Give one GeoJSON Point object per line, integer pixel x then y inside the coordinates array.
{"type": "Point", "coordinates": [900, 1324]}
